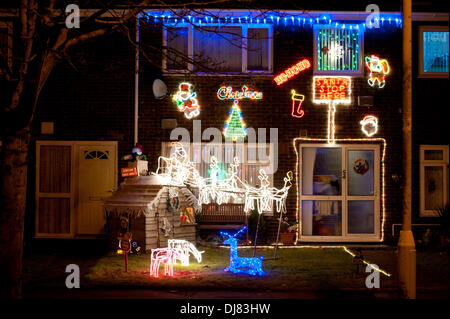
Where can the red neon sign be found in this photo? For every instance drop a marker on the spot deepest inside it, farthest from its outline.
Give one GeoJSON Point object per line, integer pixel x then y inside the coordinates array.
{"type": "Point", "coordinates": [328, 89]}
{"type": "Point", "coordinates": [292, 71]}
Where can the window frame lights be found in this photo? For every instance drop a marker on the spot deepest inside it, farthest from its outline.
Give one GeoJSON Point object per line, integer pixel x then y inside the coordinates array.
{"type": "Point", "coordinates": [244, 60]}
{"type": "Point", "coordinates": [336, 26]}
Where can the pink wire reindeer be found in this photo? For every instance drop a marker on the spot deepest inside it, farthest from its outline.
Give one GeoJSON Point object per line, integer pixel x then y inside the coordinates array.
{"type": "Point", "coordinates": [248, 265]}
{"type": "Point", "coordinates": [165, 256]}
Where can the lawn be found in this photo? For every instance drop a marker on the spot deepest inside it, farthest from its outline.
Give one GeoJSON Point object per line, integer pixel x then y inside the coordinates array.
{"type": "Point", "coordinates": [296, 269]}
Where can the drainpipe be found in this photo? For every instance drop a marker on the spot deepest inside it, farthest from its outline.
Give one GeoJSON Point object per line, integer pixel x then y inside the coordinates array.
{"type": "Point", "coordinates": [136, 84]}
{"type": "Point", "coordinates": [406, 247]}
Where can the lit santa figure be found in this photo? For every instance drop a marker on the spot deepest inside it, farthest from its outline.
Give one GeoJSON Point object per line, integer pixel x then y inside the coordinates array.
{"type": "Point", "coordinates": [369, 125]}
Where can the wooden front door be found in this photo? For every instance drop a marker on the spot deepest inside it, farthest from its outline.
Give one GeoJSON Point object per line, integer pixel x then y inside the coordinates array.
{"type": "Point", "coordinates": [72, 180]}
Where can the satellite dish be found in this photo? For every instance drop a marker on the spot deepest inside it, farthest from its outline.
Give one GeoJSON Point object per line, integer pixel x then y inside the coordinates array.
{"type": "Point", "coordinates": [159, 89]}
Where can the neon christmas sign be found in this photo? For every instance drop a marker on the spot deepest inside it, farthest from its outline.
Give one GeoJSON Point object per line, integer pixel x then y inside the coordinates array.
{"type": "Point", "coordinates": [331, 90]}
{"type": "Point", "coordinates": [297, 111]}
{"type": "Point", "coordinates": [292, 71]}
{"type": "Point", "coordinates": [227, 93]}
{"type": "Point", "coordinates": [378, 69]}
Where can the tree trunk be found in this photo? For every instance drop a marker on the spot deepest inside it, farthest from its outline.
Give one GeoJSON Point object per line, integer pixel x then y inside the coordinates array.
{"type": "Point", "coordinates": [13, 190]}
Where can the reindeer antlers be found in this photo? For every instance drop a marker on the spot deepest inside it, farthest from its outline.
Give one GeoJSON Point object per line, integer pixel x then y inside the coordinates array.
{"type": "Point", "coordinates": [233, 236]}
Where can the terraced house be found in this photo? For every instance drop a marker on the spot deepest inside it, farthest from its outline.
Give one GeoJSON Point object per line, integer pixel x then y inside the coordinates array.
{"type": "Point", "coordinates": [315, 92]}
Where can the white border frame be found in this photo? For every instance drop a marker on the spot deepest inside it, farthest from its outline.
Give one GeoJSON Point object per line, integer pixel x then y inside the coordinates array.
{"type": "Point", "coordinates": [440, 163]}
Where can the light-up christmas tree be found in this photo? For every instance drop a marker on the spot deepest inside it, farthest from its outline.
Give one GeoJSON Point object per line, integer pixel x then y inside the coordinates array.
{"type": "Point", "coordinates": [235, 126]}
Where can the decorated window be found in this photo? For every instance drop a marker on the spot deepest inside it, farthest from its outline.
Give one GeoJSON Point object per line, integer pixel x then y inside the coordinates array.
{"type": "Point", "coordinates": [433, 51]}
{"type": "Point", "coordinates": [252, 158]}
{"type": "Point", "coordinates": [338, 50]}
{"type": "Point", "coordinates": [218, 49]}
{"type": "Point", "coordinates": [433, 179]}
{"type": "Point", "coordinates": [339, 192]}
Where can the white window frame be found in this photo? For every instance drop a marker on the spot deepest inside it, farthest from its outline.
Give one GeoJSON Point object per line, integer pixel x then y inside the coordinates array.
{"type": "Point", "coordinates": [316, 71]}
{"type": "Point", "coordinates": [421, 73]}
{"type": "Point", "coordinates": [269, 147]}
{"type": "Point", "coordinates": [244, 70]}
{"type": "Point", "coordinates": [344, 197]}
{"type": "Point", "coordinates": [439, 163]}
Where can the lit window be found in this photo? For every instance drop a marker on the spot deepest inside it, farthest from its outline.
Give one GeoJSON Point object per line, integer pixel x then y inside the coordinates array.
{"type": "Point", "coordinates": [433, 51]}
{"type": "Point", "coordinates": [252, 158]}
{"type": "Point", "coordinates": [218, 49]}
{"type": "Point", "coordinates": [338, 50]}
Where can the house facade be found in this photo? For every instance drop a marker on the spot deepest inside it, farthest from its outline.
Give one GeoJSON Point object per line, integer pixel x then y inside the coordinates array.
{"type": "Point", "coordinates": [315, 93]}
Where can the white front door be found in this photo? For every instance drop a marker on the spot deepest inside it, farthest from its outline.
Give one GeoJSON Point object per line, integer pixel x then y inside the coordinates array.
{"type": "Point", "coordinates": [97, 177]}
{"type": "Point", "coordinates": [340, 197]}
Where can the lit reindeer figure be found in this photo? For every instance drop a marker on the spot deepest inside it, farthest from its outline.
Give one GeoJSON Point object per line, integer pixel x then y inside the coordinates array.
{"type": "Point", "coordinates": [178, 249]}
{"type": "Point", "coordinates": [165, 256]}
{"type": "Point", "coordinates": [184, 248]}
{"type": "Point", "coordinates": [249, 265]}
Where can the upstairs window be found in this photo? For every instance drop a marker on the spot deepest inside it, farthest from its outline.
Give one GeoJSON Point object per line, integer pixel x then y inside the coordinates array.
{"type": "Point", "coordinates": [338, 50]}
{"type": "Point", "coordinates": [218, 49]}
{"type": "Point", "coordinates": [433, 51]}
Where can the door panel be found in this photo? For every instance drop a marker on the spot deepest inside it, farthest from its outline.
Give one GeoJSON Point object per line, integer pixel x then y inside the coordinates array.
{"type": "Point", "coordinates": [96, 178]}
{"type": "Point", "coordinates": [360, 170]}
{"type": "Point", "coordinates": [54, 199]}
{"type": "Point", "coordinates": [361, 217]}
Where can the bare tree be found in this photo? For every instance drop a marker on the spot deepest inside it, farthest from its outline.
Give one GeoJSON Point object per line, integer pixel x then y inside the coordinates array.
{"type": "Point", "coordinates": [42, 41]}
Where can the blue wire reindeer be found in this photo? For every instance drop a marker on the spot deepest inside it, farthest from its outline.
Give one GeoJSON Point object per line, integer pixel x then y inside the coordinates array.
{"type": "Point", "coordinates": [249, 265]}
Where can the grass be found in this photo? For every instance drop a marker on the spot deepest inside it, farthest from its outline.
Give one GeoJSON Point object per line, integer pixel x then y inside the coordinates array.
{"type": "Point", "coordinates": [296, 269]}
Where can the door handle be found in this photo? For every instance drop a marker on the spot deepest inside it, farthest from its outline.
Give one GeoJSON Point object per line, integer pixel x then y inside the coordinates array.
{"type": "Point", "coordinates": [344, 174]}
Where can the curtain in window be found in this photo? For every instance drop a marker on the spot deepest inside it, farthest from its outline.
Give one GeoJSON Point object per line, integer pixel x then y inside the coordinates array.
{"type": "Point", "coordinates": [218, 49]}
{"type": "Point", "coordinates": [337, 49]}
{"type": "Point", "coordinates": [177, 48]}
{"type": "Point", "coordinates": [435, 51]}
{"type": "Point", "coordinates": [258, 48]}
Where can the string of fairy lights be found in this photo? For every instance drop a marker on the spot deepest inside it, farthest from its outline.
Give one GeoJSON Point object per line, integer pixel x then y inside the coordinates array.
{"type": "Point", "coordinates": [296, 19]}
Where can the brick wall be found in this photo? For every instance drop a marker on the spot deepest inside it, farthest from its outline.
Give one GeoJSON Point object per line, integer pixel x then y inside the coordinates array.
{"type": "Point", "coordinates": [430, 125]}
{"type": "Point", "coordinates": [96, 102]}
{"type": "Point", "coordinates": [290, 46]}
